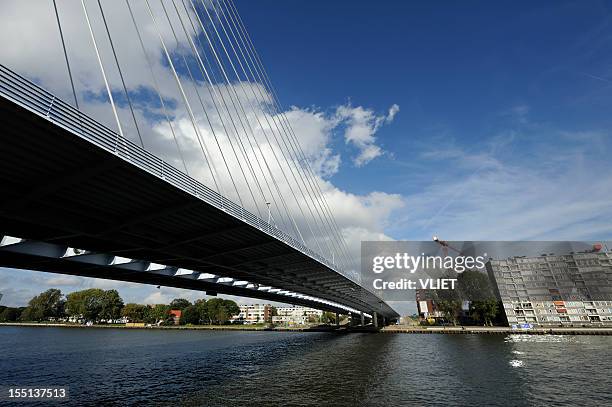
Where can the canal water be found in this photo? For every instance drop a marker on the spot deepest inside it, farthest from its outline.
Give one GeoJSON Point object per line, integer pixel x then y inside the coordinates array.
{"type": "Point", "coordinates": [114, 367]}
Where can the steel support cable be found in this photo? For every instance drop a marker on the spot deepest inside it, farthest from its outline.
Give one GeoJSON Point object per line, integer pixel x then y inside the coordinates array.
{"type": "Point", "coordinates": [259, 66]}
{"type": "Point", "coordinates": [61, 33]}
{"type": "Point", "coordinates": [209, 121]}
{"type": "Point", "coordinates": [243, 112]}
{"type": "Point", "coordinates": [127, 94]}
{"type": "Point", "coordinates": [266, 83]}
{"type": "Point", "coordinates": [292, 222]}
{"type": "Point", "coordinates": [300, 174]}
{"type": "Point", "coordinates": [237, 57]}
{"type": "Point", "coordinates": [215, 97]}
{"type": "Point", "coordinates": [242, 31]}
{"type": "Point", "coordinates": [108, 89]}
{"type": "Point", "coordinates": [257, 147]}
{"type": "Point", "coordinates": [254, 150]}
{"type": "Point", "coordinates": [216, 93]}
{"type": "Point", "coordinates": [263, 129]}
{"type": "Point", "coordinates": [271, 127]}
{"type": "Point", "coordinates": [157, 88]}
{"type": "Point", "coordinates": [187, 105]}
{"type": "Point", "coordinates": [254, 79]}
{"type": "Point", "coordinates": [312, 179]}
{"type": "Point", "coordinates": [64, 48]}
{"type": "Point", "coordinates": [323, 223]}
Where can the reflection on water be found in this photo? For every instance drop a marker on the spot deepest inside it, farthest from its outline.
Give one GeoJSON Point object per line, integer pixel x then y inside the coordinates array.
{"type": "Point", "coordinates": [197, 368]}
{"type": "Point", "coordinates": [542, 338]}
{"type": "Point", "coordinates": [516, 363]}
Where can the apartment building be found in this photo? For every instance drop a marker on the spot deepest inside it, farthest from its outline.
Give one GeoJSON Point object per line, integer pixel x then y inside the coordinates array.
{"type": "Point", "coordinates": [572, 289]}
{"type": "Point", "coordinates": [426, 307]}
{"type": "Point", "coordinates": [254, 313]}
{"type": "Point", "coordinates": [296, 315]}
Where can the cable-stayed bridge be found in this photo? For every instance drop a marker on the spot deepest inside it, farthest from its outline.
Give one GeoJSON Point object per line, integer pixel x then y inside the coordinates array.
{"type": "Point", "coordinates": [148, 145]}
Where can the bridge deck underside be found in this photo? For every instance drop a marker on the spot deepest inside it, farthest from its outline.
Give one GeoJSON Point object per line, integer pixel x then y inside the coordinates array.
{"type": "Point", "coordinates": [16, 259]}
{"type": "Point", "coordinates": [58, 187]}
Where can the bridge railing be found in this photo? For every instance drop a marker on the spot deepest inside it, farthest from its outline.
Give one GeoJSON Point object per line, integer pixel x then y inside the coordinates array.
{"type": "Point", "coordinates": [33, 97]}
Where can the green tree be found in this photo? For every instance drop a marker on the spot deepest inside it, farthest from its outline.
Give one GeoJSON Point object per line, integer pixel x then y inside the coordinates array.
{"type": "Point", "coordinates": [231, 309]}
{"type": "Point", "coordinates": [94, 304]}
{"type": "Point", "coordinates": [111, 305]}
{"type": "Point", "coordinates": [157, 313]}
{"type": "Point", "coordinates": [220, 310]}
{"type": "Point", "coordinates": [10, 314]}
{"type": "Point", "coordinates": [474, 285]}
{"type": "Point", "coordinates": [484, 311]}
{"type": "Point", "coordinates": [202, 308]}
{"type": "Point", "coordinates": [84, 303]}
{"type": "Point", "coordinates": [179, 303]}
{"type": "Point", "coordinates": [273, 313]}
{"type": "Point", "coordinates": [448, 302]}
{"type": "Point", "coordinates": [49, 304]}
{"type": "Point", "coordinates": [190, 315]}
{"type": "Point", "coordinates": [450, 308]}
{"type": "Point", "coordinates": [328, 318]}
{"type": "Point", "coordinates": [214, 306]}
{"type": "Point", "coordinates": [134, 312]}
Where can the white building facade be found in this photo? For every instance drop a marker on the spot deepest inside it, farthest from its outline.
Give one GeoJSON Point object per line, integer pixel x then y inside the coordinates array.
{"type": "Point", "coordinates": [296, 315]}
{"type": "Point", "coordinates": [254, 313]}
{"type": "Point", "coordinates": [573, 289]}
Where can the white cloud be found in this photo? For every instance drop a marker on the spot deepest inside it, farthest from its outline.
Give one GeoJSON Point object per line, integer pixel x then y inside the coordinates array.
{"type": "Point", "coordinates": [63, 280]}
{"type": "Point", "coordinates": [361, 127]}
{"type": "Point", "coordinates": [315, 132]}
{"type": "Point", "coordinates": [362, 217]}
{"type": "Point", "coordinates": [393, 110]}
{"type": "Point", "coordinates": [547, 191]}
{"type": "Point", "coordinates": [161, 296]}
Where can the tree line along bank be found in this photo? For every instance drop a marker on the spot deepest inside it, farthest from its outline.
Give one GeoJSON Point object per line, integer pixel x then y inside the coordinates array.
{"type": "Point", "coordinates": [96, 306]}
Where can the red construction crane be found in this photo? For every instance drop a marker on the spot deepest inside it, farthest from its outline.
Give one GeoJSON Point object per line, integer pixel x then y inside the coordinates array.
{"type": "Point", "coordinates": [445, 245]}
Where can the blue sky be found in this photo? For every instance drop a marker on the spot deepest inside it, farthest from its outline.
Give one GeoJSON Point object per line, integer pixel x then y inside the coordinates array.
{"type": "Point", "coordinates": [503, 128]}
{"type": "Point", "coordinates": [533, 76]}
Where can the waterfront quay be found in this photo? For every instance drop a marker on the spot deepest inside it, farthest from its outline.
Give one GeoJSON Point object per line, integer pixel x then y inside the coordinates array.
{"type": "Point", "coordinates": [397, 329]}
{"type": "Point", "coordinates": [495, 330]}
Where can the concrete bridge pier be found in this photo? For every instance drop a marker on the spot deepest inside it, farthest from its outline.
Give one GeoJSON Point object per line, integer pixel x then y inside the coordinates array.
{"type": "Point", "coordinates": [337, 319]}
{"type": "Point", "coordinates": [375, 319]}
{"type": "Point", "coordinates": [362, 318]}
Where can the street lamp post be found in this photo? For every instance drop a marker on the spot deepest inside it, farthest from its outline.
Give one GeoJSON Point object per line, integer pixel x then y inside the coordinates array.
{"type": "Point", "coordinates": [269, 212]}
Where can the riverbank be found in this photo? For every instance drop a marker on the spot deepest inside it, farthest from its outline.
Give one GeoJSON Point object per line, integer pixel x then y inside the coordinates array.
{"type": "Point", "coordinates": [173, 327]}
{"type": "Point", "coordinates": [397, 329]}
{"type": "Point", "coordinates": [495, 330]}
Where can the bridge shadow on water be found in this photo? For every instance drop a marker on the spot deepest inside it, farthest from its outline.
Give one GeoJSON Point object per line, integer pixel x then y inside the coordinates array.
{"type": "Point", "coordinates": [306, 369]}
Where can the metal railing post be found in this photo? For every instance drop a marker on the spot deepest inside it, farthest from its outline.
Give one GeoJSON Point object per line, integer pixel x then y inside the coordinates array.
{"type": "Point", "coordinates": [48, 114]}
